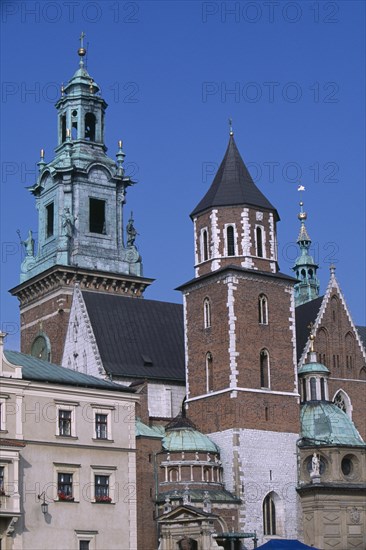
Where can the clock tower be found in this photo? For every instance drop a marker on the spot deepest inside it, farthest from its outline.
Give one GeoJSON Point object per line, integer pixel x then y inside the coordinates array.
{"type": "Point", "coordinates": [83, 237]}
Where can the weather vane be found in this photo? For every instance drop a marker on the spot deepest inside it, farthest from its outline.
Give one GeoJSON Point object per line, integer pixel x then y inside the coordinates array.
{"type": "Point", "coordinates": [231, 126]}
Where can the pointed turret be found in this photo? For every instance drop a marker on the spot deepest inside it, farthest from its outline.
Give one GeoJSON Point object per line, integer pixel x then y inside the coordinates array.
{"type": "Point", "coordinates": [307, 288]}
{"type": "Point", "coordinates": [233, 185]}
{"type": "Point", "coordinates": [235, 224]}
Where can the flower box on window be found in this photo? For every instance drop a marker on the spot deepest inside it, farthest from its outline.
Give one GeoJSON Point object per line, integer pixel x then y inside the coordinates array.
{"type": "Point", "coordinates": [62, 496]}
{"type": "Point", "coordinates": [103, 499]}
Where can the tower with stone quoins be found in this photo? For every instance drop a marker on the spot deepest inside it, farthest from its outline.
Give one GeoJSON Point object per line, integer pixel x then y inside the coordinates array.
{"type": "Point", "coordinates": [80, 197]}
{"type": "Point", "coordinates": [240, 344]}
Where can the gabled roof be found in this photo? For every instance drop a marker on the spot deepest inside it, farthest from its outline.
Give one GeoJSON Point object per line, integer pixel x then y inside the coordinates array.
{"type": "Point", "coordinates": [233, 185]}
{"type": "Point", "coordinates": [305, 314]}
{"type": "Point", "coordinates": [42, 371]}
{"type": "Point", "coordinates": [137, 338]}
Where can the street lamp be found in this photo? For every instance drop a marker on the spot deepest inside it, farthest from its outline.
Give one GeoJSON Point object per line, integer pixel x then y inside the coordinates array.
{"type": "Point", "coordinates": [44, 505]}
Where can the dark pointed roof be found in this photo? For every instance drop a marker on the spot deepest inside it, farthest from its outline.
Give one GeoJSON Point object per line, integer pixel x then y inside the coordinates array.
{"type": "Point", "coordinates": [233, 185]}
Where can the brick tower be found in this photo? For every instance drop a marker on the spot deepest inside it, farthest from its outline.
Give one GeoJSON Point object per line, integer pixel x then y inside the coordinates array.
{"type": "Point", "coordinates": [79, 196]}
{"type": "Point", "coordinates": [240, 348]}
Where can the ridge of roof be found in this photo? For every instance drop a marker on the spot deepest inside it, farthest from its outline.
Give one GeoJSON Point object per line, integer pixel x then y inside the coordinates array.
{"type": "Point", "coordinates": [233, 185]}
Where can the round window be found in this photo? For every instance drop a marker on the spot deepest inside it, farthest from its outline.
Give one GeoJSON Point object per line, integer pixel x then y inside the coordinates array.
{"type": "Point", "coordinates": [74, 113]}
{"type": "Point", "coordinates": [347, 466]}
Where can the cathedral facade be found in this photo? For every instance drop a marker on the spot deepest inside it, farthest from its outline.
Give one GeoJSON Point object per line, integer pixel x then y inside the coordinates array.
{"type": "Point", "coordinates": [250, 424]}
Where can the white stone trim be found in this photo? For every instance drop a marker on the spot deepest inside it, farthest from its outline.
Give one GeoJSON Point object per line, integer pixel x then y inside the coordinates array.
{"type": "Point", "coordinates": [240, 389]}
{"type": "Point", "coordinates": [215, 240]}
{"type": "Point", "coordinates": [186, 355]}
{"type": "Point", "coordinates": [233, 354]}
{"type": "Point", "coordinates": [235, 235]}
{"type": "Point", "coordinates": [292, 321]}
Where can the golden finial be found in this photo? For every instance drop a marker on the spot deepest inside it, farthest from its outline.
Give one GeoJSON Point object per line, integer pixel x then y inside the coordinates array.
{"type": "Point", "coordinates": [91, 86]}
{"type": "Point", "coordinates": [302, 215]}
{"type": "Point", "coordinates": [62, 90]}
{"type": "Point", "coordinates": [68, 133]}
{"type": "Point", "coordinates": [82, 50]}
{"type": "Point", "coordinates": [231, 133]}
{"type": "Point", "coordinates": [42, 154]}
{"type": "Point", "coordinates": [120, 143]}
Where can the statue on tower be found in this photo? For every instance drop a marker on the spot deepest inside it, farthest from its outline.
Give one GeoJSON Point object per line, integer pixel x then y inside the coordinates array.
{"type": "Point", "coordinates": [68, 222]}
{"type": "Point", "coordinates": [131, 232]}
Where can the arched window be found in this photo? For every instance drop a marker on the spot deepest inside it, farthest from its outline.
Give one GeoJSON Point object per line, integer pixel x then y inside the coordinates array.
{"type": "Point", "coordinates": [343, 402]}
{"type": "Point", "coordinates": [363, 373]}
{"type": "Point", "coordinates": [322, 389]}
{"type": "Point", "coordinates": [206, 313]}
{"type": "Point", "coordinates": [209, 372]}
{"type": "Point", "coordinates": [206, 474]}
{"type": "Point", "coordinates": [264, 368]}
{"type": "Point", "coordinates": [230, 244]}
{"type": "Point", "coordinates": [304, 393]}
{"type": "Point", "coordinates": [173, 474]}
{"type": "Point", "coordinates": [350, 344]}
{"type": "Point", "coordinates": [263, 309]}
{"type": "Point", "coordinates": [312, 388]}
{"type": "Point", "coordinates": [90, 126]}
{"type": "Point", "coordinates": [269, 515]}
{"type": "Point", "coordinates": [334, 305]}
{"type": "Point", "coordinates": [204, 245]}
{"type": "Point", "coordinates": [259, 241]}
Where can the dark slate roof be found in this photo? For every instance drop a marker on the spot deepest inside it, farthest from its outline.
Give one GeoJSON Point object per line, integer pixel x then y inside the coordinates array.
{"type": "Point", "coordinates": [233, 185]}
{"type": "Point", "coordinates": [42, 371]}
{"type": "Point", "coordinates": [233, 267]}
{"type": "Point", "coordinates": [362, 332]}
{"type": "Point", "coordinates": [305, 314]}
{"type": "Point", "coordinates": [138, 338]}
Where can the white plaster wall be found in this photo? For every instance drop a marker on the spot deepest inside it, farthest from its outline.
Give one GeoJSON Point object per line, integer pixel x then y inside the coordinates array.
{"type": "Point", "coordinates": [267, 462]}
{"type": "Point", "coordinates": [165, 400]}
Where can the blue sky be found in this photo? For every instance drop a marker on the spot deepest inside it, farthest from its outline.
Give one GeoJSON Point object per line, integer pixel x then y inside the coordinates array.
{"type": "Point", "coordinates": [290, 74]}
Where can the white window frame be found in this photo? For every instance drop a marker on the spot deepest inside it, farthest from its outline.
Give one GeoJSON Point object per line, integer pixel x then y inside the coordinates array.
{"type": "Point", "coordinates": [102, 409]}
{"type": "Point", "coordinates": [109, 471]}
{"type": "Point", "coordinates": [264, 240]}
{"type": "Point", "coordinates": [226, 244]}
{"type": "Point", "coordinates": [3, 412]}
{"type": "Point", "coordinates": [66, 468]}
{"type": "Point", "coordinates": [90, 536]}
{"type": "Point", "coordinates": [263, 307]}
{"type": "Point", "coordinates": [202, 245]}
{"type": "Point", "coordinates": [207, 312]}
{"type": "Point", "coordinates": [66, 406]}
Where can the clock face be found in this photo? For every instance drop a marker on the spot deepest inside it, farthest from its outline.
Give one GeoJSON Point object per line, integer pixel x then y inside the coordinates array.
{"type": "Point", "coordinates": [40, 348]}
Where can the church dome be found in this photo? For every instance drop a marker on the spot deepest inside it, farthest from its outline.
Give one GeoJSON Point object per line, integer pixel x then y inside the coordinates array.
{"type": "Point", "coordinates": [313, 367]}
{"type": "Point", "coordinates": [182, 435]}
{"type": "Point", "coordinates": [326, 424]}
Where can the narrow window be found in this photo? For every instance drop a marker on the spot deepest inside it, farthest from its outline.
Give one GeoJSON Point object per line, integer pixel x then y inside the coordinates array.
{"type": "Point", "coordinates": [63, 128]}
{"type": "Point", "coordinates": [50, 210]}
{"type": "Point", "coordinates": [263, 309]}
{"type": "Point", "coordinates": [173, 474]}
{"type": "Point", "coordinates": [2, 480]}
{"type": "Point", "coordinates": [64, 486]}
{"type": "Point", "coordinates": [90, 126]}
{"type": "Point", "coordinates": [64, 422]}
{"type": "Point", "coordinates": [102, 489]}
{"type": "Point", "coordinates": [304, 393]}
{"type": "Point", "coordinates": [74, 130]}
{"type": "Point", "coordinates": [230, 241]}
{"type": "Point", "coordinates": [266, 414]}
{"type": "Point", "coordinates": [209, 372]}
{"type": "Point", "coordinates": [264, 368]}
{"type": "Point", "coordinates": [97, 216]}
{"type": "Point", "coordinates": [334, 361]}
{"type": "Point", "coordinates": [312, 388]}
{"type": "Point", "coordinates": [101, 425]}
{"type": "Point", "coordinates": [259, 238]}
{"type": "Point", "coordinates": [269, 516]}
{"type": "Point", "coordinates": [84, 545]}
{"type": "Point", "coordinates": [322, 389]}
{"type": "Point", "coordinates": [207, 313]}
{"type": "Point", "coordinates": [206, 474]}
{"type": "Point", "coordinates": [204, 251]}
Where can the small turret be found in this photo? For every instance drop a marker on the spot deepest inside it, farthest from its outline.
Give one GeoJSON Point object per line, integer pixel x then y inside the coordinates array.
{"type": "Point", "coordinates": [305, 268]}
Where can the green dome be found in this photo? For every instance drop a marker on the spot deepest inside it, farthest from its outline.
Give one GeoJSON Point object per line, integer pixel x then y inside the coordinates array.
{"type": "Point", "coordinates": [181, 435]}
{"type": "Point", "coordinates": [326, 424]}
{"type": "Point", "coordinates": [313, 367]}
{"type": "Point", "coordinates": [187, 439]}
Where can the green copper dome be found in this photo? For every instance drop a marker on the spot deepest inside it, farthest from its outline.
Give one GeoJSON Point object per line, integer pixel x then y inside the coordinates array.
{"type": "Point", "coordinates": [326, 424]}
{"type": "Point", "coordinates": [181, 435]}
{"type": "Point", "coordinates": [313, 367]}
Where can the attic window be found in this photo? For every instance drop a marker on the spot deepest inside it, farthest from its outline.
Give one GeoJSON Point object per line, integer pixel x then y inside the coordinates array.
{"type": "Point", "coordinates": [147, 360]}
{"type": "Point", "coordinates": [97, 216]}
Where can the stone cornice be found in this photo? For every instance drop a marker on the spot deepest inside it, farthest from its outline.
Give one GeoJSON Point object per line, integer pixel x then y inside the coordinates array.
{"type": "Point", "coordinates": [62, 276]}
